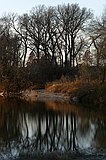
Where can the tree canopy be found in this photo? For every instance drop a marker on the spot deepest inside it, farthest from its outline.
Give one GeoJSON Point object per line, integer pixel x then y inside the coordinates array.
{"type": "Point", "coordinates": [45, 43]}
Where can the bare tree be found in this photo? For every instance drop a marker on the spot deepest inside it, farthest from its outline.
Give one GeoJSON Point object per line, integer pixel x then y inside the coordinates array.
{"type": "Point", "coordinates": [19, 25]}
{"type": "Point", "coordinates": [73, 19]}
{"type": "Point", "coordinates": [98, 43]}
{"type": "Point", "coordinates": [35, 30]}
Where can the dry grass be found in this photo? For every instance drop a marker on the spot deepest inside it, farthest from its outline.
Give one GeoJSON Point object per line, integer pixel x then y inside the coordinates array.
{"type": "Point", "coordinates": [92, 91]}
{"type": "Point", "coordinates": [65, 87]}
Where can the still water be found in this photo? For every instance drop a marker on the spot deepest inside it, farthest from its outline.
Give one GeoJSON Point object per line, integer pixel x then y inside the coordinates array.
{"type": "Point", "coordinates": [47, 126]}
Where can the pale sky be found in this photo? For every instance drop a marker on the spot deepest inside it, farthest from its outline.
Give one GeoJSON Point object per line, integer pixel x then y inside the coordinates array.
{"type": "Point", "coordinates": [23, 6]}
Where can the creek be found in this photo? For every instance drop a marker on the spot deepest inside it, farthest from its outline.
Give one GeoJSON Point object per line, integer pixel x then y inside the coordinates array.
{"type": "Point", "coordinates": [32, 128]}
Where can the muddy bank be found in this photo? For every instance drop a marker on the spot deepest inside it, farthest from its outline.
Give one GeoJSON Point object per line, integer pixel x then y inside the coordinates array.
{"type": "Point", "coordinates": [43, 95]}
{"type": "Point", "coordinates": [82, 92]}
{"type": "Point", "coordinates": [84, 98]}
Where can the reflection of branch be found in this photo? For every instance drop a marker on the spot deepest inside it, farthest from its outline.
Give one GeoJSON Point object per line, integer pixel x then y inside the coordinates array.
{"type": "Point", "coordinates": [39, 131]}
{"type": "Point", "coordinates": [59, 129]}
{"type": "Point", "coordinates": [74, 133]}
{"type": "Point", "coordinates": [59, 132]}
{"type": "Point", "coordinates": [27, 132]}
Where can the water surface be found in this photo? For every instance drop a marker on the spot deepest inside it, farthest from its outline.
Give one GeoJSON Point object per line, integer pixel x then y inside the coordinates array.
{"type": "Point", "coordinates": [27, 128]}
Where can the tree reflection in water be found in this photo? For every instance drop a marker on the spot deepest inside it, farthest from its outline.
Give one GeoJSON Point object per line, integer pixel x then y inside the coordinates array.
{"type": "Point", "coordinates": [27, 127]}
{"type": "Point", "coordinates": [48, 132]}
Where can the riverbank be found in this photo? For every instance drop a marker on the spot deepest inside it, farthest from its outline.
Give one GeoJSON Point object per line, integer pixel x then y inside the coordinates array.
{"type": "Point", "coordinates": [43, 95]}
{"type": "Point", "coordinates": [75, 92]}
{"type": "Point", "coordinates": [80, 91]}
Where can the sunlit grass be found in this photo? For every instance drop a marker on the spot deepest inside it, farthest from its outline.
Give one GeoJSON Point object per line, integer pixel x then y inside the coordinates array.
{"type": "Point", "coordinates": [68, 87]}
{"type": "Point", "coordinates": [89, 91]}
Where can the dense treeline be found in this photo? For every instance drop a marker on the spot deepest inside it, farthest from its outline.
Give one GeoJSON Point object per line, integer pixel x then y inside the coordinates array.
{"type": "Point", "coordinates": [46, 43]}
